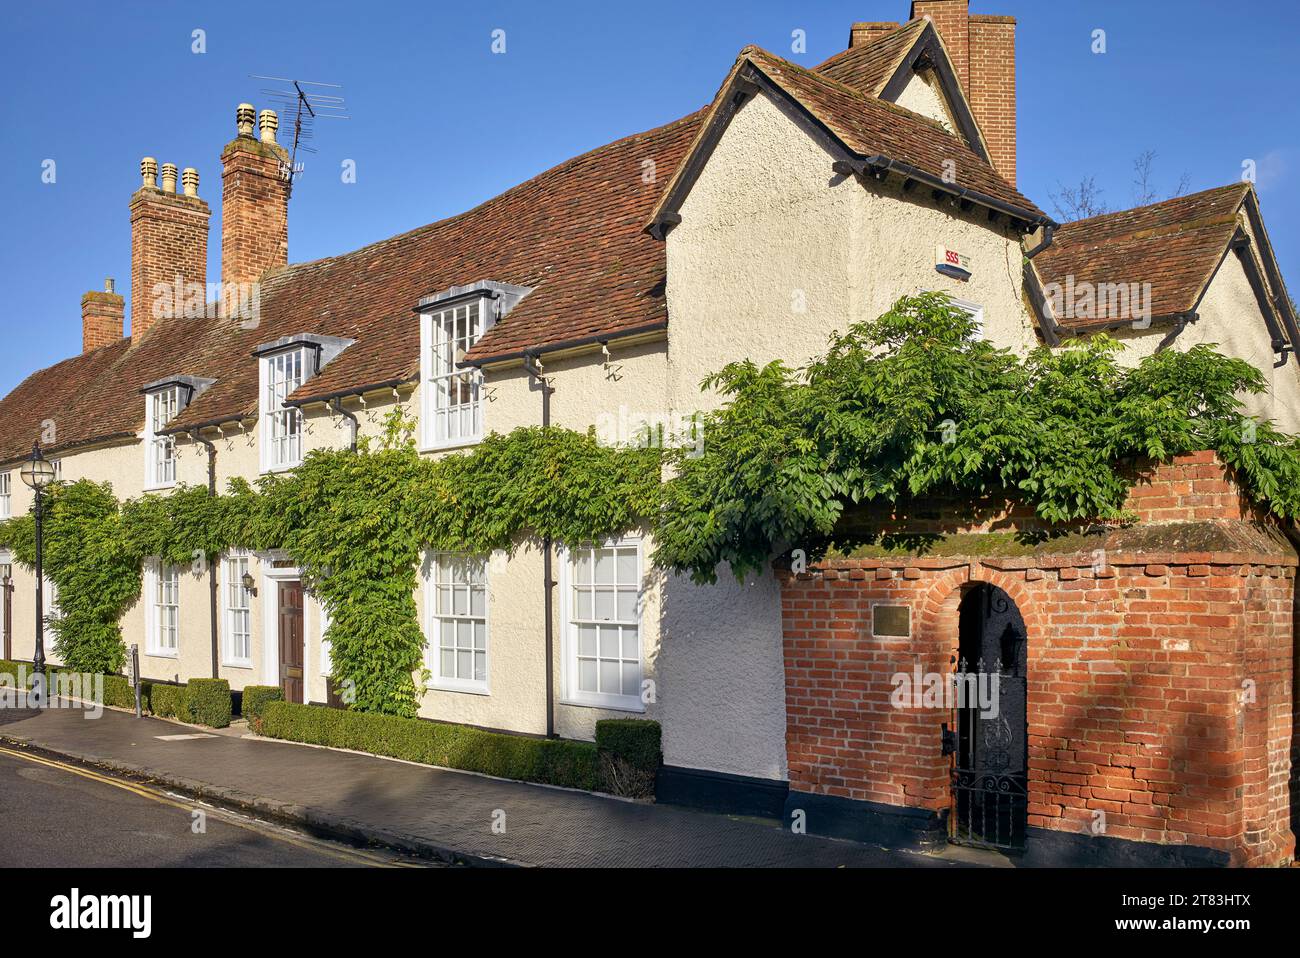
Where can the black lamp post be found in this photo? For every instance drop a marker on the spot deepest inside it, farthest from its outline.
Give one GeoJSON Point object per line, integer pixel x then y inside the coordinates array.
{"type": "Point", "coordinates": [38, 472]}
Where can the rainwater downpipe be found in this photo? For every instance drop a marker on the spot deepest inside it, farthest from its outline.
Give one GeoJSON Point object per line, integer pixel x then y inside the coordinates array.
{"type": "Point", "coordinates": [533, 366]}
{"type": "Point", "coordinates": [212, 565]}
{"type": "Point", "coordinates": [351, 417]}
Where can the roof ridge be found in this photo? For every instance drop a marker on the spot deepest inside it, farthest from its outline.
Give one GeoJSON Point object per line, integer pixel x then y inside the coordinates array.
{"type": "Point", "coordinates": [852, 91]}
{"type": "Point", "coordinates": [1245, 187]}
{"type": "Point", "coordinates": [890, 35]}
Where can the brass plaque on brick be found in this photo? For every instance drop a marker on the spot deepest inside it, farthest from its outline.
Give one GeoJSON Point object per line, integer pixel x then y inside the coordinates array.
{"type": "Point", "coordinates": [891, 620]}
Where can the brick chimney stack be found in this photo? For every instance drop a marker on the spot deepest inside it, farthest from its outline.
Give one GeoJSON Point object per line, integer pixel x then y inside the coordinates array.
{"type": "Point", "coordinates": [861, 33]}
{"type": "Point", "coordinates": [169, 240]}
{"type": "Point", "coordinates": [254, 199]}
{"type": "Point", "coordinates": [983, 53]}
{"type": "Point", "coordinates": [101, 317]}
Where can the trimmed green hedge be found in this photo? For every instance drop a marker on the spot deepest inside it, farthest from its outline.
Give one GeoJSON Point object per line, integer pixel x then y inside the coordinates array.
{"type": "Point", "coordinates": [117, 689]}
{"type": "Point", "coordinates": [166, 701]}
{"type": "Point", "coordinates": [637, 741]}
{"type": "Point", "coordinates": [255, 700]}
{"type": "Point", "coordinates": [629, 751]}
{"type": "Point", "coordinates": [548, 761]}
{"type": "Point", "coordinates": [206, 702]}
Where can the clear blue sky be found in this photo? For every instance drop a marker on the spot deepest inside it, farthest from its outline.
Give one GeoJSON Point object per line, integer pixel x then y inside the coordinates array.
{"type": "Point", "coordinates": [440, 123]}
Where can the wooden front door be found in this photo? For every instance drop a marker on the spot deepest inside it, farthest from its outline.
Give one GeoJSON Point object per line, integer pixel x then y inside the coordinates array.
{"type": "Point", "coordinates": [291, 640]}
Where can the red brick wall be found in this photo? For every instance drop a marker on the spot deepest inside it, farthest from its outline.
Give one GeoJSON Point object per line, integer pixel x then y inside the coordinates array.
{"type": "Point", "coordinates": [101, 319]}
{"type": "Point", "coordinates": [952, 21]}
{"type": "Point", "coordinates": [254, 210]}
{"type": "Point", "coordinates": [983, 54]}
{"type": "Point", "coordinates": [1138, 671]}
{"type": "Point", "coordinates": [169, 238]}
{"type": "Point", "coordinates": [861, 33]}
{"type": "Point", "coordinates": [992, 88]}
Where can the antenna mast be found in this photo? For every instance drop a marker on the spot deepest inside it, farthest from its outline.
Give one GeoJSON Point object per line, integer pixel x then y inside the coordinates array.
{"type": "Point", "coordinates": [307, 107]}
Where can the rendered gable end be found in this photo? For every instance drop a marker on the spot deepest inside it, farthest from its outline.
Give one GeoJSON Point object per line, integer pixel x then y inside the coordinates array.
{"type": "Point", "coordinates": [775, 251]}
{"type": "Point", "coordinates": [1230, 319]}
{"type": "Point", "coordinates": [923, 95]}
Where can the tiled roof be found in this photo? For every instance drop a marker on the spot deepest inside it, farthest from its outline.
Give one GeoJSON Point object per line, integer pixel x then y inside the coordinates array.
{"type": "Point", "coordinates": [573, 233]}
{"type": "Point", "coordinates": [1176, 246]}
{"type": "Point", "coordinates": [869, 66]}
{"type": "Point", "coordinates": [870, 126]}
{"type": "Point", "coordinates": [95, 396]}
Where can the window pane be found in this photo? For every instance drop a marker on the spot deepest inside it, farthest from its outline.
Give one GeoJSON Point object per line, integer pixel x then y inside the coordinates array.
{"type": "Point", "coordinates": [627, 567]}
{"type": "Point", "coordinates": [586, 640]}
{"type": "Point", "coordinates": [610, 682]}
{"type": "Point", "coordinates": [626, 605]}
{"type": "Point", "coordinates": [631, 678]}
{"type": "Point", "coordinates": [609, 642]}
{"type": "Point", "coordinates": [587, 675]}
{"type": "Point", "coordinates": [605, 571]}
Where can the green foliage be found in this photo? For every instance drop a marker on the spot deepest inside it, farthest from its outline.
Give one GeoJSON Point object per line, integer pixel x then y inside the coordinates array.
{"type": "Point", "coordinates": [167, 701]}
{"type": "Point", "coordinates": [206, 702]}
{"type": "Point", "coordinates": [911, 404]}
{"type": "Point", "coordinates": [549, 761]}
{"type": "Point", "coordinates": [636, 740]}
{"type": "Point", "coordinates": [254, 701]}
{"type": "Point", "coordinates": [97, 578]}
{"type": "Point", "coordinates": [914, 403]}
{"type": "Point", "coordinates": [356, 523]}
{"type": "Point", "coordinates": [630, 753]}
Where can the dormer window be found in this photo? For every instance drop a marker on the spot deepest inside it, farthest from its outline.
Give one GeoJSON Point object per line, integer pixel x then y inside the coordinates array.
{"type": "Point", "coordinates": [282, 373]}
{"type": "Point", "coordinates": [164, 400]}
{"type": "Point", "coordinates": [283, 366]}
{"type": "Point", "coordinates": [451, 394]}
{"type": "Point", "coordinates": [161, 408]}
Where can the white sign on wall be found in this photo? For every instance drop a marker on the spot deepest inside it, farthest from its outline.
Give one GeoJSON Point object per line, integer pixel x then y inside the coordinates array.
{"type": "Point", "coordinates": [952, 262]}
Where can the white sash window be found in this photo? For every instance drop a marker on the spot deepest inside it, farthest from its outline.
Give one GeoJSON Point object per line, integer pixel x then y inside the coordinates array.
{"type": "Point", "coordinates": [452, 405]}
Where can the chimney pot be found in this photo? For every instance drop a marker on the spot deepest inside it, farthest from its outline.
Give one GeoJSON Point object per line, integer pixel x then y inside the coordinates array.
{"type": "Point", "coordinates": [268, 123]}
{"type": "Point", "coordinates": [169, 177]}
{"type": "Point", "coordinates": [190, 181]}
{"type": "Point", "coordinates": [244, 116]}
{"type": "Point", "coordinates": [108, 285]}
{"type": "Point", "coordinates": [149, 172]}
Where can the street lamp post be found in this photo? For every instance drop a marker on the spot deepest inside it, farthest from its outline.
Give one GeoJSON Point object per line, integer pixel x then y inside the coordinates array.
{"type": "Point", "coordinates": [38, 472]}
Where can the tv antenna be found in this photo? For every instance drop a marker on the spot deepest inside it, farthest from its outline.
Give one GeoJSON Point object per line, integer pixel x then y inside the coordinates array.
{"type": "Point", "coordinates": [307, 106]}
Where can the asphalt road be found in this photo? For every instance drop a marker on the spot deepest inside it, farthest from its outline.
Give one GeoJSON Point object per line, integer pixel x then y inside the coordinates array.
{"type": "Point", "coordinates": [54, 814]}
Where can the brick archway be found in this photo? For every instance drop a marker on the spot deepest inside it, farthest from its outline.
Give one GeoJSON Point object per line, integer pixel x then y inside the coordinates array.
{"type": "Point", "coordinates": [939, 626]}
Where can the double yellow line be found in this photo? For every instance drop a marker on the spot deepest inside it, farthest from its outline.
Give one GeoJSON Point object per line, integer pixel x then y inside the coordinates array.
{"type": "Point", "coordinates": [349, 855]}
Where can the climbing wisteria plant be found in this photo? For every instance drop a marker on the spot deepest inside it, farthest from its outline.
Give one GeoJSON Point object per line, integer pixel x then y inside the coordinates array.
{"type": "Point", "coordinates": [911, 404]}
{"type": "Point", "coordinates": [357, 524]}
{"type": "Point", "coordinates": [916, 403]}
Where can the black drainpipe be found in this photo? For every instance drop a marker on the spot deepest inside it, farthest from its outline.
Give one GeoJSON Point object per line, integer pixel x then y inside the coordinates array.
{"type": "Point", "coordinates": [338, 408]}
{"type": "Point", "coordinates": [537, 381]}
{"type": "Point", "coordinates": [212, 564]}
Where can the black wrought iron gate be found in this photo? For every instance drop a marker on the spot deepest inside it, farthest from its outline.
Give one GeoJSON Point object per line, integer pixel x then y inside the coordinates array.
{"type": "Point", "coordinates": [990, 761]}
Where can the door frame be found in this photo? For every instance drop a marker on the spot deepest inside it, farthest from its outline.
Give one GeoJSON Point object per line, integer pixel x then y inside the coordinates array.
{"type": "Point", "coordinates": [269, 592]}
